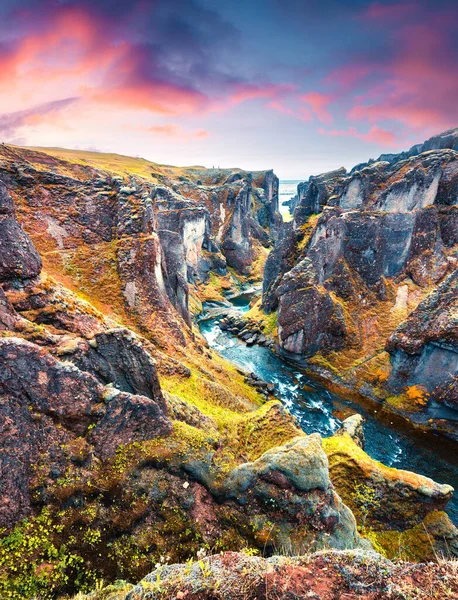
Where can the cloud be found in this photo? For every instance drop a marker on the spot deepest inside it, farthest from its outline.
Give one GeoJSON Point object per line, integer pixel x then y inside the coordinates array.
{"type": "Point", "coordinates": [175, 131]}
{"type": "Point", "coordinates": [416, 87]}
{"type": "Point", "coordinates": [11, 122]}
{"type": "Point", "coordinates": [168, 57]}
{"type": "Point", "coordinates": [301, 113]}
{"type": "Point", "coordinates": [319, 103]}
{"type": "Point", "coordinates": [375, 135]}
{"type": "Point", "coordinates": [378, 11]}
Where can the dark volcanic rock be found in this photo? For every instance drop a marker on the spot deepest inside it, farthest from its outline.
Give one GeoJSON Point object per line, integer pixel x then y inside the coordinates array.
{"type": "Point", "coordinates": [237, 245]}
{"type": "Point", "coordinates": [424, 349]}
{"type": "Point", "coordinates": [117, 357]}
{"type": "Point", "coordinates": [308, 319]}
{"type": "Point", "coordinates": [8, 317]}
{"type": "Point", "coordinates": [45, 404]}
{"type": "Point", "coordinates": [18, 257]}
{"type": "Point", "coordinates": [315, 194]}
{"type": "Point", "coordinates": [276, 265]}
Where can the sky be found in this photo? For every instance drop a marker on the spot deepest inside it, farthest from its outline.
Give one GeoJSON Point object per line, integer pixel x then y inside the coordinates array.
{"type": "Point", "coordinates": [300, 86]}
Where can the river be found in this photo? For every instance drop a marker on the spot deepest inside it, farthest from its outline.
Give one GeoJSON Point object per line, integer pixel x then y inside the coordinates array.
{"type": "Point", "coordinates": [318, 410]}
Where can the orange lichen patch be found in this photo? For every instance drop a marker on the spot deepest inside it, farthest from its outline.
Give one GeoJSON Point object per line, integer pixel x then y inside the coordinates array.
{"type": "Point", "coordinates": [413, 399]}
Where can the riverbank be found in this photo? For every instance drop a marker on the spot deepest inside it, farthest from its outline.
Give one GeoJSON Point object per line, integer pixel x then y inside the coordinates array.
{"type": "Point", "coordinates": [320, 405]}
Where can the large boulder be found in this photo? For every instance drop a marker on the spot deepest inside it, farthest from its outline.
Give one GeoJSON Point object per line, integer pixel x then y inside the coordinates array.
{"type": "Point", "coordinates": [117, 357]}
{"type": "Point", "coordinates": [45, 404]}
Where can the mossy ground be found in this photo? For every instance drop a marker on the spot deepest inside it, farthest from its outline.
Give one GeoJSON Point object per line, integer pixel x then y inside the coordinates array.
{"type": "Point", "coordinates": [268, 321]}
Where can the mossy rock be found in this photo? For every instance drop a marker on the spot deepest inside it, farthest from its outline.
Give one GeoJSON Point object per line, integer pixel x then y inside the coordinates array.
{"type": "Point", "coordinates": [379, 495]}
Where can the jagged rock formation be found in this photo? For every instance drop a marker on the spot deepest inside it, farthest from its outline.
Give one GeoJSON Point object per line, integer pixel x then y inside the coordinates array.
{"type": "Point", "coordinates": [46, 405]}
{"type": "Point", "coordinates": [363, 251]}
{"type": "Point", "coordinates": [447, 139]}
{"type": "Point", "coordinates": [135, 244]}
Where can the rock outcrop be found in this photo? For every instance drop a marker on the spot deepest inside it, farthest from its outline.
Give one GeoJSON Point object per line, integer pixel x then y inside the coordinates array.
{"type": "Point", "coordinates": [46, 404]}
{"type": "Point", "coordinates": [18, 257]}
{"type": "Point", "coordinates": [424, 348]}
{"type": "Point", "coordinates": [364, 250]}
{"type": "Point", "coordinates": [322, 576]}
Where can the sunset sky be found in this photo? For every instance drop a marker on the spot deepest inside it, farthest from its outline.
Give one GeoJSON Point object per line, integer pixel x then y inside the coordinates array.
{"type": "Point", "coordinates": [301, 86]}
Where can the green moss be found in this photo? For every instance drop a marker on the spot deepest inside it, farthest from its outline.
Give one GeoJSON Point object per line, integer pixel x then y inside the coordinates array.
{"type": "Point", "coordinates": [33, 562]}
{"type": "Point", "coordinates": [414, 545]}
{"type": "Point", "coordinates": [268, 322]}
{"type": "Point", "coordinates": [354, 474]}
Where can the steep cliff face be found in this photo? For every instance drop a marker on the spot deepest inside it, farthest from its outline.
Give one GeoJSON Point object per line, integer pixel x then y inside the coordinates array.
{"type": "Point", "coordinates": [134, 244]}
{"type": "Point", "coordinates": [424, 348]}
{"type": "Point", "coordinates": [365, 248]}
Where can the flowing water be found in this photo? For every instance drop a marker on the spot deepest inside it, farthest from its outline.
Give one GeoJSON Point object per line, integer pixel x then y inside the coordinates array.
{"type": "Point", "coordinates": [319, 410]}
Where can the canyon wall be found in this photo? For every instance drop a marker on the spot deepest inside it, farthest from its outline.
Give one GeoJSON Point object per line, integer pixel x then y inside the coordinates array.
{"type": "Point", "coordinates": [369, 263]}
{"type": "Point", "coordinates": [135, 244]}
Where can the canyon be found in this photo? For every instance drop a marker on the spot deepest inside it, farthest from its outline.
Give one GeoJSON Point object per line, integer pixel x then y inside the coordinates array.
{"type": "Point", "coordinates": [128, 441]}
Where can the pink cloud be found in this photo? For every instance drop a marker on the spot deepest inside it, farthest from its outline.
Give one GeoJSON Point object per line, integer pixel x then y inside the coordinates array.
{"type": "Point", "coordinates": [175, 131]}
{"type": "Point", "coordinates": [347, 76]}
{"type": "Point", "coordinates": [375, 135]}
{"type": "Point", "coordinates": [303, 114]}
{"type": "Point", "coordinates": [319, 103]}
{"type": "Point", "coordinates": [416, 87]}
{"type": "Point", "coordinates": [77, 52]}
{"type": "Point", "coordinates": [278, 106]}
{"type": "Point", "coordinates": [254, 92]}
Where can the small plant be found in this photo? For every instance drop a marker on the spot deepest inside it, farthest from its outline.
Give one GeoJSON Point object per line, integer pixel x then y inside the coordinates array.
{"type": "Point", "coordinates": [367, 499]}
{"type": "Point", "coordinates": [205, 568]}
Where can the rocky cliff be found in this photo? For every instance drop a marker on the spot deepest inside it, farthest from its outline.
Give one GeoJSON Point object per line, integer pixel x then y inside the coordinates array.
{"type": "Point", "coordinates": [369, 263]}
{"type": "Point", "coordinates": [135, 243]}
{"type": "Point", "coordinates": [118, 449]}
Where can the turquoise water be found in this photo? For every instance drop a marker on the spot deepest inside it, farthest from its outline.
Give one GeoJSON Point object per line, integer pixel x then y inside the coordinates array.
{"type": "Point", "coordinates": [318, 410]}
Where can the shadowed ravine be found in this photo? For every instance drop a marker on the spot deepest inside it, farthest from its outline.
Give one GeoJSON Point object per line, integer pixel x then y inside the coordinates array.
{"type": "Point", "coordinates": [319, 410]}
